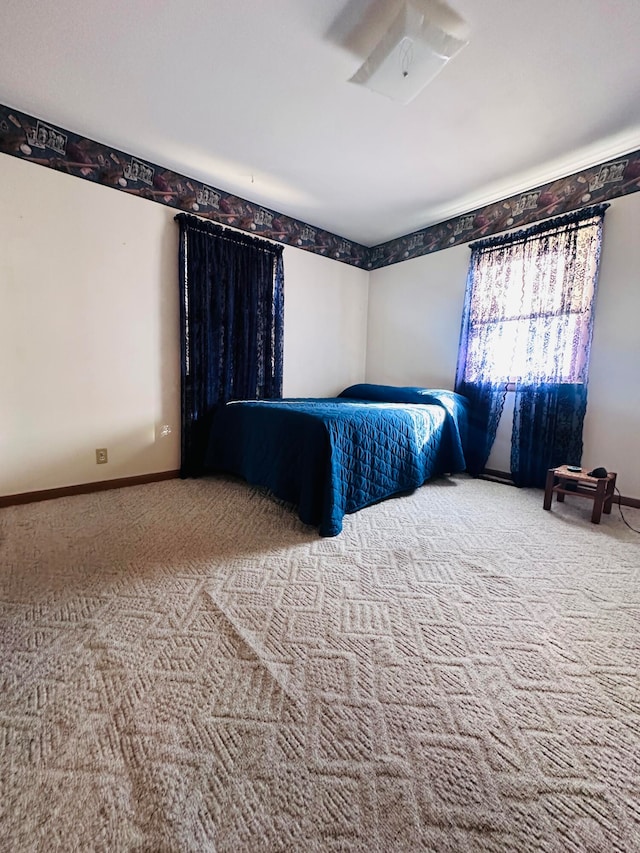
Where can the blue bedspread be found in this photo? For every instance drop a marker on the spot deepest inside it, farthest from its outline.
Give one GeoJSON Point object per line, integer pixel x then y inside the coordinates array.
{"type": "Point", "coordinates": [333, 456]}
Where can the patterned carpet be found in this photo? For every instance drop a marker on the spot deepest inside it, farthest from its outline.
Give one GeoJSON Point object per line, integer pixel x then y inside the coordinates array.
{"type": "Point", "coordinates": [186, 667]}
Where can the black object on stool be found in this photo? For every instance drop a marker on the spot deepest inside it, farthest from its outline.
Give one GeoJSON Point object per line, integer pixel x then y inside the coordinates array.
{"type": "Point", "coordinates": [598, 472]}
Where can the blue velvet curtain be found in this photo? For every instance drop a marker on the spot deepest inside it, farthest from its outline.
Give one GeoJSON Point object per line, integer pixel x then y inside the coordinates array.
{"type": "Point", "coordinates": [231, 323]}
{"type": "Point", "coordinates": [547, 430]}
{"type": "Point", "coordinates": [476, 382]}
{"type": "Point", "coordinates": [486, 403]}
{"type": "Point", "coordinates": [528, 320]}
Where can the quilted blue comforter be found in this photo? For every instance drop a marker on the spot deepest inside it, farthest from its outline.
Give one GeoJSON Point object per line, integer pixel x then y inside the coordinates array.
{"type": "Point", "coordinates": [333, 456]}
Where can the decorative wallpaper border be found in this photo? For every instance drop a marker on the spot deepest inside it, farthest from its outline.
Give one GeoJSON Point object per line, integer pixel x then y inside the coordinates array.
{"type": "Point", "coordinates": [40, 142]}
{"type": "Point", "coordinates": [617, 177]}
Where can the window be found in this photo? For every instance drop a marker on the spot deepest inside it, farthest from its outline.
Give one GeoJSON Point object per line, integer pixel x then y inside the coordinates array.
{"type": "Point", "coordinates": [528, 320]}
{"type": "Point", "coordinates": [530, 305]}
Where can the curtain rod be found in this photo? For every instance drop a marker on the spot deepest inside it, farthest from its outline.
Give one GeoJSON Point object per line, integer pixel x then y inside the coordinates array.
{"type": "Point", "coordinates": [225, 232]}
{"type": "Point", "coordinates": [573, 218]}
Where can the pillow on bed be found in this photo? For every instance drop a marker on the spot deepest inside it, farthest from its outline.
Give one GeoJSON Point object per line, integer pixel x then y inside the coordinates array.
{"type": "Point", "coordinates": [393, 394]}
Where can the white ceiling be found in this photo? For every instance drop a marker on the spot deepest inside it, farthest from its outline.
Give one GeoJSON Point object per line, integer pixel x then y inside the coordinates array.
{"type": "Point", "coordinates": [251, 96]}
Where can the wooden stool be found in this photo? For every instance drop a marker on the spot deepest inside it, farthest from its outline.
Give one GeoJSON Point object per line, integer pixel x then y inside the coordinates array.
{"type": "Point", "coordinates": [598, 489]}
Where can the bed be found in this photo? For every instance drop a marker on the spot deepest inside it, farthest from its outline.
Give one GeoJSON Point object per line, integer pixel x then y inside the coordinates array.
{"type": "Point", "coordinates": [332, 456]}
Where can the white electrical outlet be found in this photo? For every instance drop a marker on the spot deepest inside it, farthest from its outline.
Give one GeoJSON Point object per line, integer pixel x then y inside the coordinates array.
{"type": "Point", "coordinates": [102, 456]}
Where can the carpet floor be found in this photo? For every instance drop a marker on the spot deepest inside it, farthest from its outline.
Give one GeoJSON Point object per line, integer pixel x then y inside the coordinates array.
{"type": "Point", "coordinates": [187, 667]}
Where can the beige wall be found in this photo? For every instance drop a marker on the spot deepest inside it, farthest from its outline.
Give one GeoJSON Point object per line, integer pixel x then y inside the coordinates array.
{"type": "Point", "coordinates": [325, 328]}
{"type": "Point", "coordinates": [415, 309]}
{"type": "Point", "coordinates": [612, 425]}
{"type": "Point", "coordinates": [414, 326]}
{"type": "Point", "coordinates": [89, 345]}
